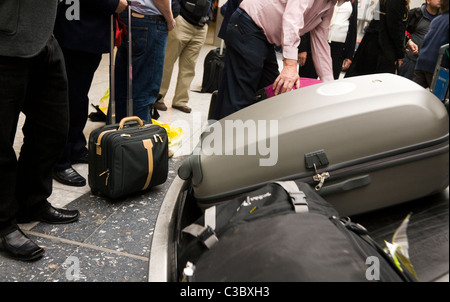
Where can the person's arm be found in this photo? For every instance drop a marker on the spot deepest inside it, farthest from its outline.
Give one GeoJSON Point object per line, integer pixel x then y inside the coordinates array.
{"type": "Point", "coordinates": [166, 10]}
{"type": "Point", "coordinates": [396, 17]}
{"type": "Point", "coordinates": [292, 21]}
{"type": "Point", "coordinates": [320, 49]}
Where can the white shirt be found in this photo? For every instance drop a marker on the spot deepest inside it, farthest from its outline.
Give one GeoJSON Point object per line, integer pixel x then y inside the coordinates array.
{"type": "Point", "coordinates": [340, 22]}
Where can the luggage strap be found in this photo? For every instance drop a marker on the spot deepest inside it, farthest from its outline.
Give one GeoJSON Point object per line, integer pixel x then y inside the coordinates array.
{"type": "Point", "coordinates": [298, 198]}
{"type": "Point", "coordinates": [206, 233]}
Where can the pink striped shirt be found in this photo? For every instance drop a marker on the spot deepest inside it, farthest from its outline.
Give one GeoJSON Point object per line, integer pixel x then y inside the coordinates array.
{"type": "Point", "coordinates": [284, 21]}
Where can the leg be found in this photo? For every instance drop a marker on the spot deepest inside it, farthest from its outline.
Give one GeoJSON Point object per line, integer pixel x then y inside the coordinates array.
{"type": "Point", "coordinates": [175, 45]}
{"type": "Point", "coordinates": [13, 84]}
{"type": "Point", "coordinates": [247, 52]}
{"type": "Point", "coordinates": [187, 61]}
{"type": "Point", "coordinates": [80, 68]}
{"type": "Point", "coordinates": [45, 129]}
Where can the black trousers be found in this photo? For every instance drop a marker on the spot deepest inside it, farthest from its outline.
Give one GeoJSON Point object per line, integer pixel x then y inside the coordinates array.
{"type": "Point", "coordinates": [37, 87]}
{"type": "Point", "coordinates": [80, 67]}
{"type": "Point", "coordinates": [250, 64]}
{"type": "Point", "coordinates": [337, 55]}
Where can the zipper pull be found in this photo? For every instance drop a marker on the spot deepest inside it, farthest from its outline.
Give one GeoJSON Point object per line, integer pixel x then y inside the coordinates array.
{"type": "Point", "coordinates": [107, 176]}
{"type": "Point", "coordinates": [320, 178]}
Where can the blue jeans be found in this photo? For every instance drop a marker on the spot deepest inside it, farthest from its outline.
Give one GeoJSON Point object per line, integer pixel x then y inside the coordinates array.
{"type": "Point", "coordinates": [149, 37]}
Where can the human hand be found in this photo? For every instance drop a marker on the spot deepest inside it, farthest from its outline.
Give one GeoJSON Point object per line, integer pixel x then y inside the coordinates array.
{"type": "Point", "coordinates": [171, 24]}
{"type": "Point", "coordinates": [121, 6]}
{"type": "Point", "coordinates": [287, 78]}
{"type": "Point", "coordinates": [413, 47]}
{"type": "Point", "coordinates": [302, 58]}
{"type": "Point", "coordinates": [346, 64]}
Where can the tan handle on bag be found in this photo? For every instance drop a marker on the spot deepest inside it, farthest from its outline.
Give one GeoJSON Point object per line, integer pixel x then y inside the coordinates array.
{"type": "Point", "coordinates": [129, 119]}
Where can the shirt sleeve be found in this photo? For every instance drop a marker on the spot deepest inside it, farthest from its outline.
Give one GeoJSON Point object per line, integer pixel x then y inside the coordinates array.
{"type": "Point", "coordinates": [292, 22]}
{"type": "Point", "coordinates": [320, 49]}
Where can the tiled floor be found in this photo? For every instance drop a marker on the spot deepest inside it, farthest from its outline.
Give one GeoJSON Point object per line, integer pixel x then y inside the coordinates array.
{"type": "Point", "coordinates": [111, 241]}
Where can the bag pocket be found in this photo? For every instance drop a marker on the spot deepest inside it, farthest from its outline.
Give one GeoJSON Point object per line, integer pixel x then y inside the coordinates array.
{"type": "Point", "coordinates": [9, 16]}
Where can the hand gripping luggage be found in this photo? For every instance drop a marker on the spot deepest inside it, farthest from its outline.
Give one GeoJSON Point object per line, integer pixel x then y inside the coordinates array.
{"type": "Point", "coordinates": [364, 142]}
{"type": "Point", "coordinates": [283, 231]}
{"type": "Point", "coordinates": [128, 157]}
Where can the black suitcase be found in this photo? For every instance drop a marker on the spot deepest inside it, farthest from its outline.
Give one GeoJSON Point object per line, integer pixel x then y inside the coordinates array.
{"type": "Point", "coordinates": [212, 69]}
{"type": "Point", "coordinates": [284, 231]}
{"type": "Point", "coordinates": [127, 158]}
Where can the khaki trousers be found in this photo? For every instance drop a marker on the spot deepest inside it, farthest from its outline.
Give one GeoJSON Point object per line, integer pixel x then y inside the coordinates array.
{"type": "Point", "coordinates": [183, 43]}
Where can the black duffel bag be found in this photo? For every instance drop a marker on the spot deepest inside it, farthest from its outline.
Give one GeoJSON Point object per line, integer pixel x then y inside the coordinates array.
{"type": "Point", "coordinates": [283, 231]}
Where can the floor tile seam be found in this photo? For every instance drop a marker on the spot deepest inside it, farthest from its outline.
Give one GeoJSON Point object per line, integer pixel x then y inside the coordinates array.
{"type": "Point", "coordinates": [86, 245]}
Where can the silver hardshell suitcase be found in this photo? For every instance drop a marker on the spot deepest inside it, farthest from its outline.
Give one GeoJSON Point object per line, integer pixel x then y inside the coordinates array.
{"type": "Point", "coordinates": [364, 142]}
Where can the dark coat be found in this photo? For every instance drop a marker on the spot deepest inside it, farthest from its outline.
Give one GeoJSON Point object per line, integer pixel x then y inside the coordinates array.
{"type": "Point", "coordinates": [25, 26]}
{"type": "Point", "coordinates": [384, 41]}
{"type": "Point", "coordinates": [92, 32]}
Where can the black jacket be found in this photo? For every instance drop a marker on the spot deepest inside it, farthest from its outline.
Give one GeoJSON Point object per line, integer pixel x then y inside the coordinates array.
{"type": "Point", "coordinates": [92, 32]}
{"type": "Point", "coordinates": [391, 27]}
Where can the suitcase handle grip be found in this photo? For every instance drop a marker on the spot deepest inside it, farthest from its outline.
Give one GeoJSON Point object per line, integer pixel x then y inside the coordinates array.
{"type": "Point", "coordinates": [347, 185]}
{"type": "Point", "coordinates": [129, 119]}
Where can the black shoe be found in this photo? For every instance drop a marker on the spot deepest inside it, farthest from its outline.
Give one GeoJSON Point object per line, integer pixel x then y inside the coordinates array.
{"type": "Point", "coordinates": [51, 215]}
{"type": "Point", "coordinates": [81, 160]}
{"type": "Point", "coordinates": [18, 246]}
{"type": "Point", "coordinates": [69, 177]}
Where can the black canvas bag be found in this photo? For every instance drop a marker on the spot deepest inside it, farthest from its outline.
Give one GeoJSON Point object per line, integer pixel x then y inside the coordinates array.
{"type": "Point", "coordinates": [283, 231]}
{"type": "Point", "coordinates": [212, 69]}
{"type": "Point", "coordinates": [127, 158]}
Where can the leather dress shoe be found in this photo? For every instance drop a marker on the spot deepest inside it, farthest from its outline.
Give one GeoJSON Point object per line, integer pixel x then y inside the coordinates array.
{"type": "Point", "coordinates": [69, 177]}
{"type": "Point", "coordinates": [18, 246]}
{"type": "Point", "coordinates": [51, 215]}
{"type": "Point", "coordinates": [185, 109]}
{"type": "Point", "coordinates": [160, 106]}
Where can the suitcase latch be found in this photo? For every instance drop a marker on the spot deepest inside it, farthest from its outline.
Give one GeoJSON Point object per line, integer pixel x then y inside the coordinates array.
{"type": "Point", "coordinates": [317, 159]}
{"type": "Point", "coordinates": [320, 177]}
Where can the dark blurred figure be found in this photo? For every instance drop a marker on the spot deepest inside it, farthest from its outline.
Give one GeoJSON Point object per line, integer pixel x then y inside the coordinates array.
{"type": "Point", "coordinates": [32, 81]}
{"type": "Point", "coordinates": [383, 43]}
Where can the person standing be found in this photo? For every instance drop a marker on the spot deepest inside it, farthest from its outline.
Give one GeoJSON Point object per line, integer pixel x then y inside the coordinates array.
{"type": "Point", "coordinates": [151, 21]}
{"type": "Point", "coordinates": [83, 42]}
{"type": "Point", "coordinates": [419, 20]}
{"type": "Point", "coordinates": [33, 81]}
{"type": "Point", "coordinates": [382, 47]}
{"type": "Point", "coordinates": [184, 44]}
{"type": "Point", "coordinates": [342, 40]}
{"type": "Point", "coordinates": [437, 36]}
{"type": "Point", "coordinates": [254, 30]}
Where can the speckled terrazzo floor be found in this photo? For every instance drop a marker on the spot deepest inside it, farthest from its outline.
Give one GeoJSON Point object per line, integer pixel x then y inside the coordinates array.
{"type": "Point", "coordinates": [110, 242]}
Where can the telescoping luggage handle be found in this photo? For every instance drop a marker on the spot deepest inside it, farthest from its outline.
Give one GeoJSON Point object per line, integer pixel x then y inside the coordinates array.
{"type": "Point", "coordinates": [111, 117]}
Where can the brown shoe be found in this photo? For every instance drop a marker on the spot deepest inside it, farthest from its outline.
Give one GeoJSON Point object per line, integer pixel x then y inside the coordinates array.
{"type": "Point", "coordinates": [160, 106]}
{"type": "Point", "coordinates": [185, 109]}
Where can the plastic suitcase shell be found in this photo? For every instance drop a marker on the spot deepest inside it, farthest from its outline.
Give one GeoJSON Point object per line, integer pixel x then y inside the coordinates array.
{"type": "Point", "coordinates": [365, 143]}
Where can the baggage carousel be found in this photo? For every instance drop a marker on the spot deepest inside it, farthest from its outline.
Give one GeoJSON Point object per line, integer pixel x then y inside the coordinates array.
{"type": "Point", "coordinates": [428, 233]}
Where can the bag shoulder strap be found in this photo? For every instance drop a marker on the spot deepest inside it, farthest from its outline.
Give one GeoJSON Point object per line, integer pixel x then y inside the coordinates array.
{"type": "Point", "coordinates": [298, 198]}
